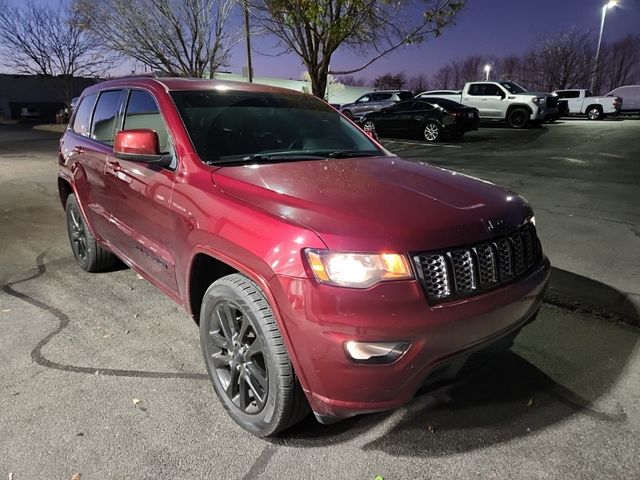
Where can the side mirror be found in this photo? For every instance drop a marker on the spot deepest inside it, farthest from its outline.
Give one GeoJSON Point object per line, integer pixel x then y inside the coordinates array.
{"type": "Point", "coordinates": [139, 145]}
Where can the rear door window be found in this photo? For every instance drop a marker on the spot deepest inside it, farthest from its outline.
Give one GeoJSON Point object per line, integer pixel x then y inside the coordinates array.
{"type": "Point", "coordinates": [380, 97]}
{"type": "Point", "coordinates": [104, 117]}
{"type": "Point", "coordinates": [405, 95]}
{"type": "Point", "coordinates": [82, 119]}
{"type": "Point", "coordinates": [476, 89]}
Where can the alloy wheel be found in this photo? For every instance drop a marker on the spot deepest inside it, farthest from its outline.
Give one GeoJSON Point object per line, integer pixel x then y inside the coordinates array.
{"type": "Point", "coordinates": [518, 119]}
{"type": "Point", "coordinates": [431, 132]}
{"type": "Point", "coordinates": [593, 114]}
{"type": "Point", "coordinates": [237, 357]}
{"type": "Point", "coordinates": [78, 234]}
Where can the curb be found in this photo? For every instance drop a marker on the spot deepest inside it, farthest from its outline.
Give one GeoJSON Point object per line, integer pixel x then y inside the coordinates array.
{"type": "Point", "coordinates": [51, 127]}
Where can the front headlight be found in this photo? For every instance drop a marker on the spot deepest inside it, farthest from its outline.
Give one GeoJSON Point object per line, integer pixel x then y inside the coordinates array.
{"type": "Point", "coordinates": [538, 100]}
{"type": "Point", "coordinates": [357, 270]}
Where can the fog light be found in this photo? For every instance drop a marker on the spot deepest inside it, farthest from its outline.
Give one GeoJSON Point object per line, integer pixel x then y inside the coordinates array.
{"type": "Point", "coordinates": [375, 352]}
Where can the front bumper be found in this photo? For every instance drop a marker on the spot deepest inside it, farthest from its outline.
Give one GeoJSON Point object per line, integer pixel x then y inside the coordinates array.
{"type": "Point", "coordinates": [319, 319]}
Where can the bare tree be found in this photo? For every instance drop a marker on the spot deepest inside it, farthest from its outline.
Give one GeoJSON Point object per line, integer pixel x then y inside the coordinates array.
{"type": "Point", "coordinates": [510, 68]}
{"type": "Point", "coordinates": [391, 81]}
{"type": "Point", "coordinates": [622, 62]}
{"type": "Point", "coordinates": [353, 81]}
{"type": "Point", "coordinates": [315, 30]}
{"type": "Point", "coordinates": [419, 83]}
{"type": "Point", "coordinates": [443, 79]}
{"type": "Point", "coordinates": [180, 38]}
{"type": "Point", "coordinates": [38, 39]}
{"type": "Point", "coordinates": [564, 60]}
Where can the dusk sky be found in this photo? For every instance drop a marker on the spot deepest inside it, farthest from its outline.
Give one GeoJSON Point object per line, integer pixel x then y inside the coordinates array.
{"type": "Point", "coordinates": [493, 27]}
{"type": "Point", "coordinates": [485, 27]}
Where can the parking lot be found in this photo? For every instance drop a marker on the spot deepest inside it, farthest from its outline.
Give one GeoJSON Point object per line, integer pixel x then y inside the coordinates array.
{"type": "Point", "coordinates": [102, 375]}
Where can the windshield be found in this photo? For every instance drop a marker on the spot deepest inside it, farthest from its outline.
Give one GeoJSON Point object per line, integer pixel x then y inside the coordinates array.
{"type": "Point", "coordinates": [233, 126]}
{"type": "Point", "coordinates": [513, 87]}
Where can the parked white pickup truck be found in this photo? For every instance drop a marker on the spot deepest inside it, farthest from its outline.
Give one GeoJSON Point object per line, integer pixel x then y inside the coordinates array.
{"type": "Point", "coordinates": [582, 102]}
{"type": "Point", "coordinates": [504, 101]}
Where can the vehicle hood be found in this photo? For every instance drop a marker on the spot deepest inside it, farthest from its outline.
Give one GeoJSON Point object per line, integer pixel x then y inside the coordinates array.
{"type": "Point", "coordinates": [346, 105]}
{"type": "Point", "coordinates": [378, 203]}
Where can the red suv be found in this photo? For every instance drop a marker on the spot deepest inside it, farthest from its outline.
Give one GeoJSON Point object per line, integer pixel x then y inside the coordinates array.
{"type": "Point", "coordinates": [325, 273]}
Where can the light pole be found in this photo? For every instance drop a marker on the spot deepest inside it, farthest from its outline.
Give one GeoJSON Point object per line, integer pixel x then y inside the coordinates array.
{"type": "Point", "coordinates": [487, 70]}
{"type": "Point", "coordinates": [610, 4]}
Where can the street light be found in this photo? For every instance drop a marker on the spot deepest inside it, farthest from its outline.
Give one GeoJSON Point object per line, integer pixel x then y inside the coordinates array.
{"type": "Point", "coordinates": [487, 69]}
{"type": "Point", "coordinates": [607, 6]}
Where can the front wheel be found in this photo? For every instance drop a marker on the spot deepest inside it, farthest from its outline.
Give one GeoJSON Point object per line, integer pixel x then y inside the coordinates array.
{"type": "Point", "coordinates": [246, 358]}
{"type": "Point", "coordinates": [518, 118]}
{"type": "Point", "coordinates": [431, 131]}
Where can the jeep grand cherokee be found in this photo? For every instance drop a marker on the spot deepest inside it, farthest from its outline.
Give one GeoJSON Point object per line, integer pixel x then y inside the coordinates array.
{"type": "Point", "coordinates": [325, 273]}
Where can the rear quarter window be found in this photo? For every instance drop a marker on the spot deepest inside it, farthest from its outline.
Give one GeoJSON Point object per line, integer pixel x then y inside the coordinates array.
{"type": "Point", "coordinates": [82, 119]}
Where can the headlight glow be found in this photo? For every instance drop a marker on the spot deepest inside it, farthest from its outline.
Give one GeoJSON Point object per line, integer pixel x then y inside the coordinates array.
{"type": "Point", "coordinates": [357, 270]}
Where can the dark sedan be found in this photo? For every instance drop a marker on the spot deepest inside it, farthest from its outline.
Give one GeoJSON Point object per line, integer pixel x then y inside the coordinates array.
{"type": "Point", "coordinates": [428, 118]}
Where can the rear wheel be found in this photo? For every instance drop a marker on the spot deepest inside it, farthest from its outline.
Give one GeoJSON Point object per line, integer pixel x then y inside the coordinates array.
{"type": "Point", "coordinates": [88, 254]}
{"type": "Point", "coordinates": [246, 358]}
{"type": "Point", "coordinates": [594, 112]}
{"type": "Point", "coordinates": [518, 118]}
{"type": "Point", "coordinates": [431, 131]}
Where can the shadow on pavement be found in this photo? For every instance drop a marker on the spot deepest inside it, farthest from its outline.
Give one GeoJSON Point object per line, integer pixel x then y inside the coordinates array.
{"type": "Point", "coordinates": [509, 398]}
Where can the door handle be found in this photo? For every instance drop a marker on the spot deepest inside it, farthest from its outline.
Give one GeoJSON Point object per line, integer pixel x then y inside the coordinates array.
{"type": "Point", "coordinates": [114, 166]}
{"type": "Point", "coordinates": [78, 149]}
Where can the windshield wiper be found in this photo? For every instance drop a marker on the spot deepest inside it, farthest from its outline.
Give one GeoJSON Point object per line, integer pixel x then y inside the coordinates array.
{"type": "Point", "coordinates": [286, 156]}
{"type": "Point", "coordinates": [353, 153]}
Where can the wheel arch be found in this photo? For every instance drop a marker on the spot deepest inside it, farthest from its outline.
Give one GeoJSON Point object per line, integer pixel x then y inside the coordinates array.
{"type": "Point", "coordinates": [199, 279]}
{"type": "Point", "coordinates": [64, 190]}
{"type": "Point", "coordinates": [512, 107]}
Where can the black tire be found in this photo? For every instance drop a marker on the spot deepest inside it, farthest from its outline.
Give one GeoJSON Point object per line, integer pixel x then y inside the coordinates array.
{"type": "Point", "coordinates": [518, 118]}
{"type": "Point", "coordinates": [88, 254]}
{"type": "Point", "coordinates": [594, 112]}
{"type": "Point", "coordinates": [431, 131]}
{"type": "Point", "coordinates": [246, 358]}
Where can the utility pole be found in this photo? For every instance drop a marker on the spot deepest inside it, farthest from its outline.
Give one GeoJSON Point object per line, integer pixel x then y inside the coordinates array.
{"type": "Point", "coordinates": [247, 35]}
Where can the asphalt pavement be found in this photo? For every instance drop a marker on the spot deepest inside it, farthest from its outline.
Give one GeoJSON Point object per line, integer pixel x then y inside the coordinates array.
{"type": "Point", "coordinates": [101, 375]}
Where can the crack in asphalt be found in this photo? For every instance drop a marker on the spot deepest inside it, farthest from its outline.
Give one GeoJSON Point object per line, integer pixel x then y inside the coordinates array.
{"type": "Point", "coordinates": [260, 464]}
{"type": "Point", "coordinates": [63, 322]}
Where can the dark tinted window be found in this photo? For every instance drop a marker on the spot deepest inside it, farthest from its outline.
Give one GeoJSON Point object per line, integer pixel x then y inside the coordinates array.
{"type": "Point", "coordinates": [443, 102]}
{"type": "Point", "coordinates": [484, 89]}
{"type": "Point", "coordinates": [234, 126]}
{"type": "Point", "coordinates": [568, 94]}
{"type": "Point", "coordinates": [82, 120]}
{"type": "Point", "coordinates": [379, 97]}
{"type": "Point", "coordinates": [405, 95]}
{"type": "Point", "coordinates": [403, 107]}
{"type": "Point", "coordinates": [492, 90]}
{"type": "Point", "coordinates": [476, 89]}
{"type": "Point", "coordinates": [142, 112]}
{"type": "Point", "coordinates": [104, 117]}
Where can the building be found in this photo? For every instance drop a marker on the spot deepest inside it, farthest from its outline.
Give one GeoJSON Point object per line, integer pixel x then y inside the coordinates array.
{"type": "Point", "coordinates": [42, 95]}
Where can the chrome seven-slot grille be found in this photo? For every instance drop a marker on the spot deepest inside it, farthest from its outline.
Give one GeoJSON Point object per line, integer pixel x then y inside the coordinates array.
{"type": "Point", "coordinates": [462, 272]}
